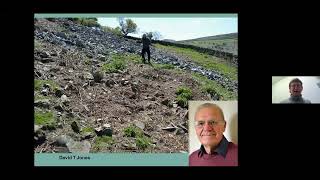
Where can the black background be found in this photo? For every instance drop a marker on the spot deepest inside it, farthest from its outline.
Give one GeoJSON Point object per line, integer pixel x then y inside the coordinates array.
{"type": "Point", "coordinates": [274, 39]}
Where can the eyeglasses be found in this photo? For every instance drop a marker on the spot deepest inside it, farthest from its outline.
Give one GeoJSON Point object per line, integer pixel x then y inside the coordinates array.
{"type": "Point", "coordinates": [200, 124]}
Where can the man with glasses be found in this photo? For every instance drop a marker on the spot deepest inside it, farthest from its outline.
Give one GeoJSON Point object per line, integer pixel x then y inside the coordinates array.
{"type": "Point", "coordinates": [295, 89]}
{"type": "Point", "coordinates": [215, 149]}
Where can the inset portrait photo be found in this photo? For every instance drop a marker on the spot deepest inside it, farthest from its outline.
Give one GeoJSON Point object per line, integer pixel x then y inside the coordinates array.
{"type": "Point", "coordinates": [213, 133]}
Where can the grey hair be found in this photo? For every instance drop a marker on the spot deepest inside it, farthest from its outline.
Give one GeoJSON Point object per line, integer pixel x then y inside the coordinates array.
{"type": "Point", "coordinates": [210, 105]}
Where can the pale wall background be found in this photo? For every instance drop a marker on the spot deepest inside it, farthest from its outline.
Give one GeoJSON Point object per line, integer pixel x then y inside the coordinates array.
{"type": "Point", "coordinates": [230, 110]}
{"type": "Point", "coordinates": [280, 88]}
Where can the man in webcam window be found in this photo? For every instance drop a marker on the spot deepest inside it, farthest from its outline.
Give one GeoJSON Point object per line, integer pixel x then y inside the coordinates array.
{"type": "Point", "coordinates": [295, 89]}
{"type": "Point", "coordinates": [215, 149]}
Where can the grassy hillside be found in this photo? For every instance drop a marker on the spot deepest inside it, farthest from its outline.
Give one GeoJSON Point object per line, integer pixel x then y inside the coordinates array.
{"type": "Point", "coordinates": [204, 60]}
{"type": "Point", "coordinates": [227, 42]}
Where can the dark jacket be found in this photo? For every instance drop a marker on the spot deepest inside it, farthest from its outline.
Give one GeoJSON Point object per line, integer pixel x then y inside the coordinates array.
{"type": "Point", "coordinates": [146, 42]}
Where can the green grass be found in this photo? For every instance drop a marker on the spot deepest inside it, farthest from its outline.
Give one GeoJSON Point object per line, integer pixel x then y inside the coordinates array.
{"type": "Point", "coordinates": [115, 31]}
{"type": "Point", "coordinates": [143, 142]}
{"type": "Point", "coordinates": [133, 131]}
{"type": "Point", "coordinates": [44, 118]}
{"type": "Point", "coordinates": [118, 62]}
{"type": "Point", "coordinates": [216, 37]}
{"type": "Point", "coordinates": [184, 91]}
{"type": "Point", "coordinates": [209, 86]}
{"type": "Point", "coordinates": [101, 143]}
{"type": "Point", "coordinates": [41, 97]}
{"type": "Point", "coordinates": [182, 101]}
{"type": "Point", "coordinates": [87, 129]}
{"type": "Point", "coordinates": [184, 94]}
{"type": "Point", "coordinates": [163, 66]}
{"type": "Point", "coordinates": [205, 60]}
{"type": "Point", "coordinates": [90, 22]}
{"type": "Point", "coordinates": [39, 83]}
{"type": "Point", "coordinates": [133, 58]}
{"type": "Point", "coordinates": [177, 71]}
{"type": "Point", "coordinates": [209, 43]}
{"type": "Point", "coordinates": [104, 139]}
{"type": "Point", "coordinates": [206, 86]}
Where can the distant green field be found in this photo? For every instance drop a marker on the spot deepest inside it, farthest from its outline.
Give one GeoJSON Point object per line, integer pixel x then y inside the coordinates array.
{"type": "Point", "coordinates": [217, 37]}
{"type": "Point", "coordinates": [227, 42]}
{"type": "Point", "coordinates": [231, 43]}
